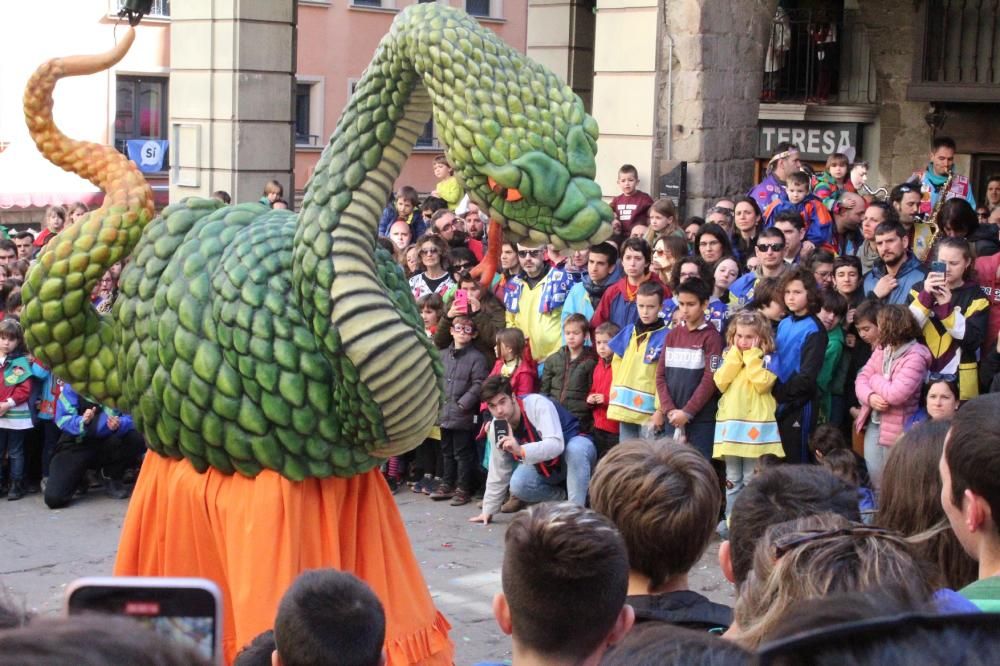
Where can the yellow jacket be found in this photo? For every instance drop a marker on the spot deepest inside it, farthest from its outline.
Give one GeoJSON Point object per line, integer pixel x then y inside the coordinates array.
{"type": "Point", "coordinates": [744, 422]}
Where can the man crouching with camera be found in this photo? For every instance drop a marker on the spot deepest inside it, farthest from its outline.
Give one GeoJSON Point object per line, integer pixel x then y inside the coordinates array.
{"type": "Point", "coordinates": [555, 459]}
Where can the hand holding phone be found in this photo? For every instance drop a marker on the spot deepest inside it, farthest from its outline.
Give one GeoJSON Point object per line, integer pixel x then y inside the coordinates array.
{"type": "Point", "coordinates": [500, 430]}
{"type": "Point", "coordinates": [462, 301]}
{"type": "Point", "coordinates": [938, 269]}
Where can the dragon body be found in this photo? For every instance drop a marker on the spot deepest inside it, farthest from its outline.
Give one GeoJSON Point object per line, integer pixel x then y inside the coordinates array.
{"type": "Point", "coordinates": [246, 338]}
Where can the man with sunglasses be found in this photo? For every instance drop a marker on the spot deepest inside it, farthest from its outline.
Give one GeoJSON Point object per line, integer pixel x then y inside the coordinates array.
{"type": "Point", "coordinates": [770, 252]}
{"type": "Point", "coordinates": [534, 301]}
{"type": "Point", "coordinates": [905, 199]}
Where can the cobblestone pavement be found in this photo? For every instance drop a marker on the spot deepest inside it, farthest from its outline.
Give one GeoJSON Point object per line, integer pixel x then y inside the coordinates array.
{"type": "Point", "coordinates": [41, 551]}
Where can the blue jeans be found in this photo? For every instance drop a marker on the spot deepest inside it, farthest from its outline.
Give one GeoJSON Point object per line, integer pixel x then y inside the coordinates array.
{"type": "Point", "coordinates": [12, 442]}
{"type": "Point", "coordinates": [627, 431]}
{"type": "Point", "coordinates": [580, 456]}
{"type": "Point", "coordinates": [699, 434]}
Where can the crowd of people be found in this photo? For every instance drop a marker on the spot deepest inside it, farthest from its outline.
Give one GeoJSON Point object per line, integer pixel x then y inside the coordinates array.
{"type": "Point", "coordinates": [782, 372]}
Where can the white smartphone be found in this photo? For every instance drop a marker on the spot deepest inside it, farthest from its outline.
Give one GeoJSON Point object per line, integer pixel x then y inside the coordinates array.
{"type": "Point", "coordinates": [186, 610]}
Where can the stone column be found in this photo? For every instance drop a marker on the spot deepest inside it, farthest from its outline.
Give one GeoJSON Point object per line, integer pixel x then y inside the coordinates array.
{"type": "Point", "coordinates": [561, 36]}
{"type": "Point", "coordinates": [707, 102]}
{"type": "Point", "coordinates": [231, 97]}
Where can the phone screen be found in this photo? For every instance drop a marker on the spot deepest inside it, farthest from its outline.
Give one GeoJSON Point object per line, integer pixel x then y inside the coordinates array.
{"type": "Point", "coordinates": [183, 610]}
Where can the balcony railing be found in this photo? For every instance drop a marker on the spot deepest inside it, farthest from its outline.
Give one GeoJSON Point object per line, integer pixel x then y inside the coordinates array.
{"type": "Point", "coordinates": [818, 57]}
{"type": "Point", "coordinates": [957, 55]}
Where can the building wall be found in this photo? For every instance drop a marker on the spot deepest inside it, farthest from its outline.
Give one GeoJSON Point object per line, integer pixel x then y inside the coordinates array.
{"type": "Point", "coordinates": [336, 41]}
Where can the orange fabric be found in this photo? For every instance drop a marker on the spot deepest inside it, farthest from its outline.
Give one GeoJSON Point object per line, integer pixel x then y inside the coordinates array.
{"type": "Point", "coordinates": [254, 536]}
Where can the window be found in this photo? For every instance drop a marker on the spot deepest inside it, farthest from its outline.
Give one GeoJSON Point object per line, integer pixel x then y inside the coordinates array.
{"type": "Point", "coordinates": [427, 138]}
{"type": "Point", "coordinates": [160, 8]}
{"type": "Point", "coordinates": [141, 110]}
{"type": "Point", "coordinates": [302, 135]}
{"type": "Point", "coordinates": [478, 7]}
{"type": "Point", "coordinates": [309, 111]}
{"type": "Point", "coordinates": [367, 3]}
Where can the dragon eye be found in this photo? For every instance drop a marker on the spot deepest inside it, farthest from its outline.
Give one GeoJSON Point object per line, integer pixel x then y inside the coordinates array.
{"type": "Point", "coordinates": [509, 194]}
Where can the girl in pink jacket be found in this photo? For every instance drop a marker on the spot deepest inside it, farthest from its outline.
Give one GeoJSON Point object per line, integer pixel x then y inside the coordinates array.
{"type": "Point", "coordinates": [888, 387]}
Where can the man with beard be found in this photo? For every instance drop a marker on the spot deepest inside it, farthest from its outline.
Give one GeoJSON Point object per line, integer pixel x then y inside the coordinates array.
{"type": "Point", "coordinates": [905, 200]}
{"type": "Point", "coordinates": [940, 172]}
{"type": "Point", "coordinates": [534, 300]}
{"type": "Point", "coordinates": [603, 271]}
{"type": "Point", "coordinates": [443, 224]}
{"type": "Point", "coordinates": [897, 270]}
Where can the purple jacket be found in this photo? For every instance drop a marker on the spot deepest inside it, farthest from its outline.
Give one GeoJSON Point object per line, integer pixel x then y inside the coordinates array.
{"type": "Point", "coordinates": [767, 191]}
{"type": "Point", "coordinates": [901, 389]}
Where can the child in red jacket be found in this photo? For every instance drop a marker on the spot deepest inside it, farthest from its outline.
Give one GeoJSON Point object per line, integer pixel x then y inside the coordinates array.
{"type": "Point", "coordinates": [605, 430]}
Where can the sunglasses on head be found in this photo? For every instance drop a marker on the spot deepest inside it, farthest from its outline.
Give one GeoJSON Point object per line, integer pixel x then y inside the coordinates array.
{"type": "Point", "coordinates": [468, 329]}
{"type": "Point", "coordinates": [524, 254]}
{"type": "Point", "coordinates": [772, 247]}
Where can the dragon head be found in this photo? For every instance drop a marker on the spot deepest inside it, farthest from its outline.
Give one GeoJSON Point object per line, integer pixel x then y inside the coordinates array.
{"type": "Point", "coordinates": [518, 138]}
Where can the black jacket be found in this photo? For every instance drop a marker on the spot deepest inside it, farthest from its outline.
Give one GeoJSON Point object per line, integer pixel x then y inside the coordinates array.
{"type": "Point", "coordinates": [464, 372]}
{"type": "Point", "coordinates": [683, 609]}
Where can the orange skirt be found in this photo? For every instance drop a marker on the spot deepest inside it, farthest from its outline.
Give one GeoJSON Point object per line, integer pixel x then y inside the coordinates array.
{"type": "Point", "coordinates": [254, 536]}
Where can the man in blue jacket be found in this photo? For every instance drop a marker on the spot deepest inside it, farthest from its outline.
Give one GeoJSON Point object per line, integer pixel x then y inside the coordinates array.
{"type": "Point", "coordinates": [90, 436]}
{"type": "Point", "coordinates": [897, 270]}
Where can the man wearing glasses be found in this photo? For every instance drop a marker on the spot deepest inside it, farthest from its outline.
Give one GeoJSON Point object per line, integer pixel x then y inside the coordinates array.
{"type": "Point", "coordinates": [770, 252]}
{"type": "Point", "coordinates": [905, 200]}
{"type": "Point", "coordinates": [534, 301]}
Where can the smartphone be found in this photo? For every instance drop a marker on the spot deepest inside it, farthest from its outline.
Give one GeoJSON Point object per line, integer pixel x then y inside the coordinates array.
{"type": "Point", "coordinates": [500, 430]}
{"type": "Point", "coordinates": [462, 300]}
{"type": "Point", "coordinates": [186, 610]}
{"type": "Point", "coordinates": [938, 267]}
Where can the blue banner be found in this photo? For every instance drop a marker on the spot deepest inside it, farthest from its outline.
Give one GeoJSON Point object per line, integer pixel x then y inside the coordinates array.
{"type": "Point", "coordinates": [147, 153]}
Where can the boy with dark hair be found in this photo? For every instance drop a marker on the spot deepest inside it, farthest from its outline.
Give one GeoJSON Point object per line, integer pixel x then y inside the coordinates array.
{"type": "Point", "coordinates": [329, 617]}
{"type": "Point", "coordinates": [631, 207]}
{"type": "Point", "coordinates": [778, 494]}
{"type": "Point", "coordinates": [832, 310]}
{"type": "Point", "coordinates": [568, 373]}
{"type": "Point", "coordinates": [605, 430]}
{"type": "Point", "coordinates": [667, 532]}
{"type": "Point", "coordinates": [405, 210]}
{"type": "Point", "coordinates": [464, 371]}
{"type": "Point", "coordinates": [691, 353]}
{"type": "Point", "coordinates": [970, 493]}
{"type": "Point", "coordinates": [564, 578]}
{"type": "Point", "coordinates": [637, 350]}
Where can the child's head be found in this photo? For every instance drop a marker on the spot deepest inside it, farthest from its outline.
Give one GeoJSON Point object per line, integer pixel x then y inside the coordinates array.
{"type": "Point", "coordinates": [576, 328]}
{"type": "Point", "coordinates": [55, 218]}
{"type": "Point", "coordinates": [463, 331]}
{"type": "Point", "coordinates": [628, 179]}
{"type": "Point", "coordinates": [837, 165]}
{"type": "Point", "coordinates": [564, 578]}
{"type": "Point", "coordinates": [866, 321]}
{"type": "Point", "coordinates": [666, 531]}
{"type": "Point", "coordinates": [441, 167]}
{"type": "Point", "coordinates": [692, 298]}
{"type": "Point", "coordinates": [769, 299]}
{"type": "Point", "coordinates": [799, 290]}
{"type": "Point", "coordinates": [328, 612]}
{"type": "Point", "coordinates": [896, 326]}
{"type": "Point", "coordinates": [431, 309]}
{"type": "Point", "coordinates": [750, 328]}
{"type": "Point", "coordinates": [847, 274]}
{"type": "Point", "coordinates": [11, 336]}
{"type": "Point", "coordinates": [648, 301]}
{"type": "Point", "coordinates": [273, 190]}
{"type": "Point", "coordinates": [406, 201]}
{"type": "Point", "coordinates": [432, 205]}
{"type": "Point", "coordinates": [826, 438]}
{"type": "Point", "coordinates": [843, 465]}
{"type": "Point", "coordinates": [603, 336]}
{"type": "Point", "coordinates": [76, 211]}
{"type": "Point", "coordinates": [510, 344]}
{"type": "Point", "coordinates": [832, 309]}
{"type": "Point", "coordinates": [766, 461]}
{"type": "Point", "coordinates": [662, 215]}
{"type": "Point", "coordinates": [797, 187]}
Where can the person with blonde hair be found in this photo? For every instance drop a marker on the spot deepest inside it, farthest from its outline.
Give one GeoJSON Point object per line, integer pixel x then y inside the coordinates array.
{"type": "Point", "coordinates": [822, 555]}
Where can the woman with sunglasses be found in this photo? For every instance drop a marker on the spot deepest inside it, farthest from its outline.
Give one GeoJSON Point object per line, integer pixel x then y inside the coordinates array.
{"type": "Point", "coordinates": [667, 251]}
{"type": "Point", "coordinates": [433, 277]}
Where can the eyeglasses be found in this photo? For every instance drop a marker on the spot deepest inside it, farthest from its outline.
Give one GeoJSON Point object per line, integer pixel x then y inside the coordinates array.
{"type": "Point", "coordinates": [524, 254]}
{"type": "Point", "coordinates": [429, 251]}
{"type": "Point", "coordinates": [660, 253]}
{"type": "Point", "coordinates": [983, 215]}
{"type": "Point", "coordinates": [770, 247]}
{"type": "Point", "coordinates": [463, 328]}
{"type": "Point", "coordinates": [784, 546]}
{"type": "Point", "coordinates": [459, 267]}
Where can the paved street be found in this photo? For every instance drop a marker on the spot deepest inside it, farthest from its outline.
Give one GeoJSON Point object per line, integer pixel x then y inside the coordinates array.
{"type": "Point", "coordinates": [41, 551]}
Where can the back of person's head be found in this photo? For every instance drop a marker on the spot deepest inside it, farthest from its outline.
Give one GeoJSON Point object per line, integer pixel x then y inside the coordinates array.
{"type": "Point", "coordinates": [664, 498]}
{"type": "Point", "coordinates": [843, 465]}
{"type": "Point", "coordinates": [833, 302]}
{"type": "Point", "coordinates": [92, 640]}
{"type": "Point", "coordinates": [899, 638]}
{"type": "Point", "coordinates": [867, 310]}
{"type": "Point", "coordinates": [971, 455]}
{"type": "Point", "coordinates": [779, 494]}
{"type": "Point", "coordinates": [662, 644]}
{"type": "Point", "coordinates": [564, 577]}
{"type": "Point", "coordinates": [910, 502]}
{"type": "Point", "coordinates": [329, 617]}
{"type": "Point", "coordinates": [826, 438]}
{"type": "Point", "coordinates": [824, 554]}
{"type": "Point", "coordinates": [431, 205]}
{"type": "Point", "coordinates": [258, 651]}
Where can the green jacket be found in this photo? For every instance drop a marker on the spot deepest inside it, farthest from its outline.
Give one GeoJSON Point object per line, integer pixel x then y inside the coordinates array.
{"type": "Point", "coordinates": [568, 383]}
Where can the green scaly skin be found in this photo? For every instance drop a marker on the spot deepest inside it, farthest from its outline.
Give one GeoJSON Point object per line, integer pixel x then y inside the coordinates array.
{"type": "Point", "coordinates": [247, 338]}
